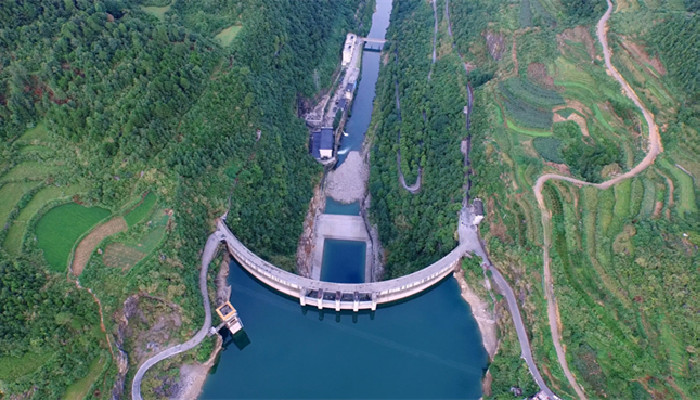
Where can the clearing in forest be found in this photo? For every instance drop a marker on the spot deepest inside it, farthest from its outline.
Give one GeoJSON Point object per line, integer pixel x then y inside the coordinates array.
{"type": "Point", "coordinates": [86, 246]}
{"type": "Point", "coordinates": [119, 255]}
{"type": "Point", "coordinates": [33, 171]}
{"type": "Point", "coordinates": [12, 368]}
{"type": "Point", "coordinates": [158, 12]}
{"type": "Point", "coordinates": [226, 36]}
{"type": "Point", "coordinates": [125, 254]}
{"type": "Point", "coordinates": [37, 135]}
{"type": "Point", "coordinates": [59, 229]}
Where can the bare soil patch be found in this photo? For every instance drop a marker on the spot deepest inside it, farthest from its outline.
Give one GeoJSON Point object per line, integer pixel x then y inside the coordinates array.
{"type": "Point", "coordinates": [537, 72]}
{"type": "Point", "coordinates": [641, 56]}
{"type": "Point", "coordinates": [578, 34]}
{"type": "Point", "coordinates": [495, 43]}
{"type": "Point", "coordinates": [118, 255]}
{"type": "Point", "coordinates": [86, 246]}
{"type": "Point", "coordinates": [514, 54]}
{"type": "Point", "coordinates": [579, 120]}
{"type": "Point", "coordinates": [657, 208]}
{"type": "Point", "coordinates": [576, 105]}
{"type": "Point", "coordinates": [561, 168]}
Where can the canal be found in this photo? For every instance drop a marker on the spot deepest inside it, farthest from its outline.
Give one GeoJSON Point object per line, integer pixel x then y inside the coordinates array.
{"type": "Point", "coordinates": [428, 346]}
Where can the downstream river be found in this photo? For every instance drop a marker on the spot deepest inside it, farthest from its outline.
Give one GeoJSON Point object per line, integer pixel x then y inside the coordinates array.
{"type": "Point", "coordinates": [428, 346]}
{"type": "Point", "coordinates": [361, 111]}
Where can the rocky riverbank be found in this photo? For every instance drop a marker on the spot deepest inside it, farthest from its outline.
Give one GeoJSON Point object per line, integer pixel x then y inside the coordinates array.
{"type": "Point", "coordinates": [193, 376]}
{"type": "Point", "coordinates": [348, 183]}
{"type": "Point", "coordinates": [307, 242]}
{"type": "Point", "coordinates": [480, 309]}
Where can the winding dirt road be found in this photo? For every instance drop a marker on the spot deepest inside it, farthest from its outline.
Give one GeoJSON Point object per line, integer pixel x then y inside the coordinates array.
{"type": "Point", "coordinates": [654, 149]}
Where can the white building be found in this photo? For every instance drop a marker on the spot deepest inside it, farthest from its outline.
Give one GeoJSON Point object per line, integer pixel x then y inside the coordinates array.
{"type": "Point", "coordinates": [349, 47]}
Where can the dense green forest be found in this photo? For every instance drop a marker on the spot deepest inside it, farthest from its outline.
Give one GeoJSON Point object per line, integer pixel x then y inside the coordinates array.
{"type": "Point", "coordinates": [417, 230]}
{"type": "Point", "coordinates": [623, 259]}
{"type": "Point", "coordinates": [113, 99]}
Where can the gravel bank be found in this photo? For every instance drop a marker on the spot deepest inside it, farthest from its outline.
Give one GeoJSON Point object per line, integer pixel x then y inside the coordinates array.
{"type": "Point", "coordinates": [347, 183]}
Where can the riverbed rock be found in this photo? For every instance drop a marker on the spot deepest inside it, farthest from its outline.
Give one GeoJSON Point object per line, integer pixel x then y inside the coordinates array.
{"type": "Point", "coordinates": [347, 183]}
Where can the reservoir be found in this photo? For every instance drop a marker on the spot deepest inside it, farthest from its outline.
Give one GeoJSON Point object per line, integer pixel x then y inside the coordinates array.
{"type": "Point", "coordinates": [425, 347]}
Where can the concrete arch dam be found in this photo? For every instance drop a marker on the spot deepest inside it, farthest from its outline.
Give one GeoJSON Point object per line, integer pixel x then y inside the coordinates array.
{"type": "Point", "coordinates": [339, 296]}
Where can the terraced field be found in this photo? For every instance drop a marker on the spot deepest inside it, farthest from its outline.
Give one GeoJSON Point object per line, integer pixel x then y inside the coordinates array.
{"type": "Point", "coordinates": [621, 257]}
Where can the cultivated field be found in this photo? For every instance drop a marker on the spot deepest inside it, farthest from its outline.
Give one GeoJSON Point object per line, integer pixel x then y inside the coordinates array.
{"type": "Point", "coordinates": [622, 258]}
{"type": "Point", "coordinates": [58, 230]}
{"type": "Point", "coordinates": [18, 228]}
{"type": "Point", "coordinates": [87, 245]}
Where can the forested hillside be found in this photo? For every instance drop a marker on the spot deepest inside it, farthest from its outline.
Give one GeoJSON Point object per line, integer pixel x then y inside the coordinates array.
{"type": "Point", "coordinates": [102, 103]}
{"type": "Point", "coordinates": [623, 259]}
{"type": "Point", "coordinates": [417, 229]}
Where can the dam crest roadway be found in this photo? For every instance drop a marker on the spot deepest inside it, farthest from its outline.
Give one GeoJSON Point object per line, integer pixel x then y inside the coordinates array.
{"type": "Point", "coordinates": [344, 296]}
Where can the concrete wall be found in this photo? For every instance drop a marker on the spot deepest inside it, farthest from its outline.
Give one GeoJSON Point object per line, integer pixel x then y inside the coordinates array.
{"type": "Point", "coordinates": [293, 285]}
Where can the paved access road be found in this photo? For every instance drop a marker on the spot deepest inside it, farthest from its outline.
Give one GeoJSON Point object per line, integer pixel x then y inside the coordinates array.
{"type": "Point", "coordinates": [469, 236]}
{"type": "Point", "coordinates": [209, 251]}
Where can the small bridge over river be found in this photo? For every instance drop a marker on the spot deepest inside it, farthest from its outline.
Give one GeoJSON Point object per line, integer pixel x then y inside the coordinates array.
{"type": "Point", "coordinates": [340, 296]}
{"type": "Point", "coordinates": [372, 44]}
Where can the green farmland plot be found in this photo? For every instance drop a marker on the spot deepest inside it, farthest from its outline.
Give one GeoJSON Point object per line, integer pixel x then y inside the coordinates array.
{"type": "Point", "coordinates": [59, 229]}
{"type": "Point", "coordinates": [13, 240]}
{"type": "Point", "coordinates": [528, 103]}
{"type": "Point", "coordinates": [684, 184]}
{"type": "Point", "coordinates": [142, 210]}
{"type": "Point", "coordinates": [526, 131]}
{"type": "Point", "coordinates": [125, 254]}
{"type": "Point", "coordinates": [549, 148]}
{"type": "Point", "coordinates": [33, 171]}
{"type": "Point", "coordinates": [10, 194]}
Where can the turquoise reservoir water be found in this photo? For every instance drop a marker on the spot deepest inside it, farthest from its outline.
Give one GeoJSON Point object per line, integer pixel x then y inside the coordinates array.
{"type": "Point", "coordinates": [337, 208]}
{"type": "Point", "coordinates": [343, 261]}
{"type": "Point", "coordinates": [427, 347]}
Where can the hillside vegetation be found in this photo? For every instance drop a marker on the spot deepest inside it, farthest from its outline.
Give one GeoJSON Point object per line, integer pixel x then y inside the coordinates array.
{"type": "Point", "coordinates": [137, 110]}
{"type": "Point", "coordinates": [623, 259]}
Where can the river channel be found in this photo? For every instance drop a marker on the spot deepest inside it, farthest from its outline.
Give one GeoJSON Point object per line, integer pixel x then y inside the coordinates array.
{"type": "Point", "coordinates": [428, 346]}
